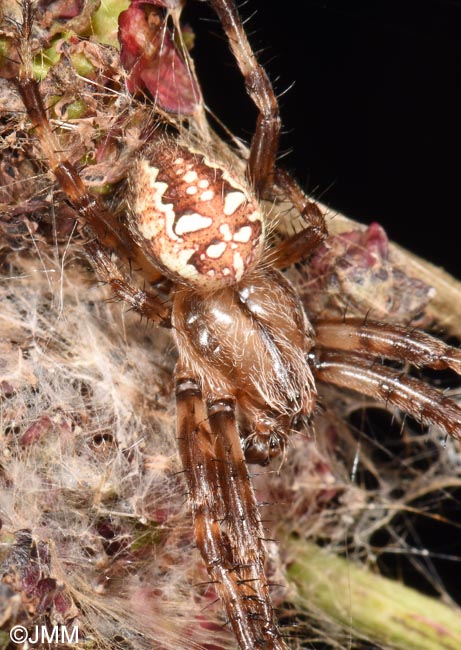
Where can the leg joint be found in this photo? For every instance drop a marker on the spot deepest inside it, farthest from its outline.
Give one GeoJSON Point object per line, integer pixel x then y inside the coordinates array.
{"type": "Point", "coordinates": [187, 387]}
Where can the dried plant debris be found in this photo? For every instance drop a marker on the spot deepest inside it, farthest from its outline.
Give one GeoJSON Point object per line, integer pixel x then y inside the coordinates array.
{"type": "Point", "coordinates": [95, 522]}
{"type": "Point", "coordinates": [96, 530]}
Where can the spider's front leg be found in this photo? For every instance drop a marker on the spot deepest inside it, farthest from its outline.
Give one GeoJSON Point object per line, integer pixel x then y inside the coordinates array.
{"type": "Point", "coordinates": [227, 525]}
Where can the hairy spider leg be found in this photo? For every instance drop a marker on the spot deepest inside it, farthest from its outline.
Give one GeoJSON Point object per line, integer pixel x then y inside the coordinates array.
{"type": "Point", "coordinates": [396, 342]}
{"type": "Point", "coordinates": [261, 169]}
{"type": "Point", "coordinates": [424, 403]}
{"type": "Point", "coordinates": [348, 360]}
{"type": "Point", "coordinates": [146, 303]}
{"type": "Point", "coordinates": [265, 141]}
{"type": "Point", "coordinates": [225, 512]}
{"type": "Point", "coordinates": [299, 245]}
{"type": "Point", "coordinates": [91, 212]}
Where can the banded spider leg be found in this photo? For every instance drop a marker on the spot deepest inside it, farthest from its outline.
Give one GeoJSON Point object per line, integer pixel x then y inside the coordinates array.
{"type": "Point", "coordinates": [221, 495]}
{"type": "Point", "coordinates": [347, 358]}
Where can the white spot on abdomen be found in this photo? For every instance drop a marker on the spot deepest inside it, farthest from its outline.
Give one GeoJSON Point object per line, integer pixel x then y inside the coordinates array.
{"type": "Point", "coordinates": [207, 195]}
{"type": "Point", "coordinates": [216, 250]}
{"type": "Point", "coordinates": [243, 235]}
{"type": "Point", "coordinates": [191, 223]}
{"type": "Point", "coordinates": [190, 176]}
{"type": "Point", "coordinates": [255, 216]}
{"type": "Point", "coordinates": [232, 201]}
{"type": "Point", "coordinates": [225, 231]}
{"type": "Point", "coordinates": [238, 266]}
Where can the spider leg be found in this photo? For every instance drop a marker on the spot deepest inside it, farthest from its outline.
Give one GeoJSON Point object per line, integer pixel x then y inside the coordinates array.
{"type": "Point", "coordinates": [395, 342]}
{"type": "Point", "coordinates": [227, 526]}
{"type": "Point", "coordinates": [265, 142]}
{"type": "Point", "coordinates": [262, 170]}
{"type": "Point", "coordinates": [298, 246]}
{"type": "Point", "coordinates": [145, 303]}
{"type": "Point", "coordinates": [419, 400]}
{"type": "Point", "coordinates": [91, 211]}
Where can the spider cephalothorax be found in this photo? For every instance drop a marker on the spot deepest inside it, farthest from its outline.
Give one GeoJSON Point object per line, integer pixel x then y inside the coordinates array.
{"type": "Point", "coordinates": [269, 376]}
{"type": "Point", "coordinates": [248, 357]}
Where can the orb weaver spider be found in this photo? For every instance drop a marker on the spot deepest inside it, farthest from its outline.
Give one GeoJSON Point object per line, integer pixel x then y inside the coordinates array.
{"type": "Point", "coordinates": [249, 359]}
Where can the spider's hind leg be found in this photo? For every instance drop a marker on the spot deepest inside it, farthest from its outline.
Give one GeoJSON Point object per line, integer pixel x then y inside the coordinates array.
{"type": "Point", "coordinates": [90, 210]}
{"type": "Point", "coordinates": [268, 180]}
{"type": "Point", "coordinates": [265, 142]}
{"type": "Point", "coordinates": [226, 519]}
{"type": "Point", "coordinates": [146, 303]}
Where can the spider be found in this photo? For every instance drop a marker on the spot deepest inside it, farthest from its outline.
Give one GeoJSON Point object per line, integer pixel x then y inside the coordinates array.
{"type": "Point", "coordinates": [249, 359]}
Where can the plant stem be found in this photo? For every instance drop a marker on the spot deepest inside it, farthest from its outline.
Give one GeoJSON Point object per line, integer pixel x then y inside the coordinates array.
{"type": "Point", "coordinates": [379, 609]}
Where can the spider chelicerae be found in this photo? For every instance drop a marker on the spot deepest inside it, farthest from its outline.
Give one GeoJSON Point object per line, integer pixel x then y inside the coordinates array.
{"type": "Point", "coordinates": [248, 358]}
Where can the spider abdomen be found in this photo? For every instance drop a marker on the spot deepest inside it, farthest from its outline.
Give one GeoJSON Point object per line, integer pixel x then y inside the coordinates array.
{"type": "Point", "coordinates": [197, 223]}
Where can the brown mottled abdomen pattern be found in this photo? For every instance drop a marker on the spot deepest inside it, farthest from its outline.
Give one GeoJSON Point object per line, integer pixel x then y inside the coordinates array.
{"type": "Point", "coordinates": [193, 218]}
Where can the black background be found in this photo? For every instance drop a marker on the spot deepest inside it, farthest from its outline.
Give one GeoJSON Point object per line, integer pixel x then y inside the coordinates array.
{"type": "Point", "coordinates": [371, 124]}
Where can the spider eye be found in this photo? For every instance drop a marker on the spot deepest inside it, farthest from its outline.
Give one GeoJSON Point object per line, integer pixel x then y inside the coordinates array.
{"type": "Point", "coordinates": [197, 223]}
